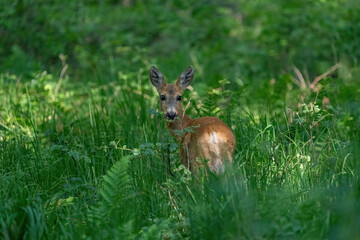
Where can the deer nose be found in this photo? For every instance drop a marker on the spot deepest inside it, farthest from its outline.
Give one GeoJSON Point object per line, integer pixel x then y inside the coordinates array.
{"type": "Point", "coordinates": [171, 115]}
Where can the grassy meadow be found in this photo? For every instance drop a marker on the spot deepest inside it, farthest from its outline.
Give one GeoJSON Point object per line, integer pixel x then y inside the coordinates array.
{"type": "Point", "coordinates": [84, 151]}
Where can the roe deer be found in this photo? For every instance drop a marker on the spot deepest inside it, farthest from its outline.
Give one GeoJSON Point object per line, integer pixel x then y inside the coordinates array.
{"type": "Point", "coordinates": [210, 138]}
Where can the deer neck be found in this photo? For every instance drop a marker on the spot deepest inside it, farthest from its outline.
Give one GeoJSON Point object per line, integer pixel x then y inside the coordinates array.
{"type": "Point", "coordinates": [179, 125]}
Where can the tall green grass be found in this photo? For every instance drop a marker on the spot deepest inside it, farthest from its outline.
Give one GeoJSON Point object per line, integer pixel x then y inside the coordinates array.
{"type": "Point", "coordinates": [94, 163]}
{"type": "Point", "coordinates": [84, 152]}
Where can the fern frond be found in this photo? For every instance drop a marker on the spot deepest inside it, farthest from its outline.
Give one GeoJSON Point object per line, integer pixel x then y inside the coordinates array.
{"type": "Point", "coordinates": [116, 182]}
{"type": "Point", "coordinates": [115, 193]}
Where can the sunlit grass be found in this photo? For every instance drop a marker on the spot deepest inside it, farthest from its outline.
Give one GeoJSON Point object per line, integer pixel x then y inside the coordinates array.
{"type": "Point", "coordinates": [84, 152]}
{"type": "Point", "coordinates": [290, 178]}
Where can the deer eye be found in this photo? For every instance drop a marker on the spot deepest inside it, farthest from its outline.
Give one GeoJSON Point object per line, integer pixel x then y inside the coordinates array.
{"type": "Point", "coordinates": [179, 98]}
{"type": "Point", "coordinates": [162, 97]}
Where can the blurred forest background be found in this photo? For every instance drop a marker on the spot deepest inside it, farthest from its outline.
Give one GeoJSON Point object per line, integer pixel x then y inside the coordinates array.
{"type": "Point", "coordinates": [83, 149]}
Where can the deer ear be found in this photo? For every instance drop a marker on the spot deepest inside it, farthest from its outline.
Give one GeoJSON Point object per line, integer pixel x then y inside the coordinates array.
{"type": "Point", "coordinates": [156, 77]}
{"type": "Point", "coordinates": [186, 78]}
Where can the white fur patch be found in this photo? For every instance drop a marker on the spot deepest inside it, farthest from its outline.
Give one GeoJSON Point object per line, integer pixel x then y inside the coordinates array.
{"type": "Point", "coordinates": [213, 138]}
{"type": "Point", "coordinates": [214, 143]}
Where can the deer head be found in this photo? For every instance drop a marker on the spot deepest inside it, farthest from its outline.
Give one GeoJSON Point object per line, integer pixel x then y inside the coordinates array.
{"type": "Point", "coordinates": [171, 94]}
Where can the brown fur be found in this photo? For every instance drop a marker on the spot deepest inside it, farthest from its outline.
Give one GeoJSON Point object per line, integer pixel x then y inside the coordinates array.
{"type": "Point", "coordinates": [211, 138]}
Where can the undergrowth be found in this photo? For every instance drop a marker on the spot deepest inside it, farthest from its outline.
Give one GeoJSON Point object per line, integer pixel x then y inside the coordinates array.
{"type": "Point", "coordinates": [84, 152]}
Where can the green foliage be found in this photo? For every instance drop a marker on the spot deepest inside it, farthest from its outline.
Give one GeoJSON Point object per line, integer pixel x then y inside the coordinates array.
{"type": "Point", "coordinates": [84, 154]}
{"type": "Point", "coordinates": [113, 208]}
